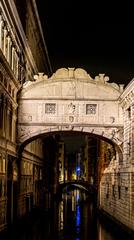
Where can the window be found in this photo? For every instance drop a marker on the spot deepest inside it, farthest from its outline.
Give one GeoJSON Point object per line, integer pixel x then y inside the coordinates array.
{"type": "Point", "coordinates": [9, 88]}
{"type": "Point", "coordinates": [113, 191]}
{"type": "Point", "coordinates": [5, 82]}
{"type": "Point", "coordinates": [119, 192]}
{"type": "Point", "coordinates": [1, 77]}
{"type": "Point", "coordinates": [91, 108]}
{"type": "Point", "coordinates": [129, 113]}
{"type": "Point", "coordinates": [50, 108]}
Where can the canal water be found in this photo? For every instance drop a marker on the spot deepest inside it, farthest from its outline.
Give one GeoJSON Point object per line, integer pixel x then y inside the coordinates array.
{"type": "Point", "coordinates": [73, 217]}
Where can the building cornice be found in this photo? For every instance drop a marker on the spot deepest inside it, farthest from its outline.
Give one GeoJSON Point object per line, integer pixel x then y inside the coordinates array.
{"type": "Point", "coordinates": [127, 97]}
{"type": "Point", "coordinates": [42, 35]}
{"type": "Point", "coordinates": [13, 19]}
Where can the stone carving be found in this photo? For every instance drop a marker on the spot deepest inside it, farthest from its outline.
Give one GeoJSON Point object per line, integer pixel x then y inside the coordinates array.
{"type": "Point", "coordinates": [71, 108]}
{"type": "Point", "coordinates": [64, 73]}
{"type": "Point", "coordinates": [71, 118]}
{"type": "Point", "coordinates": [50, 108]}
{"type": "Point", "coordinates": [23, 132]}
{"type": "Point", "coordinates": [61, 73]}
{"type": "Point", "coordinates": [101, 78]}
{"type": "Point", "coordinates": [117, 134]}
{"type": "Point", "coordinates": [91, 108]}
{"type": "Point", "coordinates": [40, 76]}
{"type": "Point", "coordinates": [130, 97]}
{"type": "Point", "coordinates": [71, 72]}
{"type": "Point", "coordinates": [112, 119]}
{"type": "Point", "coordinates": [81, 73]}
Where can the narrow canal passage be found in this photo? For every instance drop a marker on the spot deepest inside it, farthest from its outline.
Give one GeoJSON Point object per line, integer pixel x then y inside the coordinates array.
{"type": "Point", "coordinates": [74, 217]}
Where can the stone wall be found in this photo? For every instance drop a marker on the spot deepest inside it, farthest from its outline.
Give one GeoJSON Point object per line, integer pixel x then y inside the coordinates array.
{"type": "Point", "coordinates": [117, 197]}
{"type": "Point", "coordinates": [117, 182]}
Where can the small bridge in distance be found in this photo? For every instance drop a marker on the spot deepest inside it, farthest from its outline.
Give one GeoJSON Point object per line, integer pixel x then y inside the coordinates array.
{"type": "Point", "coordinates": [81, 184]}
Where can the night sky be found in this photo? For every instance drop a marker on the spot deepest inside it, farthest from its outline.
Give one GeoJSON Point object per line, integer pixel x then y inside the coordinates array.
{"type": "Point", "coordinates": [82, 36]}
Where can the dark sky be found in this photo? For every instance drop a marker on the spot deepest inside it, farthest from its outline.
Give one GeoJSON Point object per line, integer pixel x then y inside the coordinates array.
{"type": "Point", "coordinates": [78, 35]}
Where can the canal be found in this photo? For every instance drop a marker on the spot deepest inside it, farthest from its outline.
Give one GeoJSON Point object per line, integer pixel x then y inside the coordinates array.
{"type": "Point", "coordinates": [73, 217]}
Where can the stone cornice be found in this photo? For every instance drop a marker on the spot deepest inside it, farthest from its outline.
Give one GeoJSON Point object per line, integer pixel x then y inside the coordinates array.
{"type": "Point", "coordinates": [128, 89]}
{"type": "Point", "coordinates": [42, 35]}
{"type": "Point", "coordinates": [127, 97]}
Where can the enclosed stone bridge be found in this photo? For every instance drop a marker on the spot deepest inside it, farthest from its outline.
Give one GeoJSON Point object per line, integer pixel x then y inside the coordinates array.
{"type": "Point", "coordinates": [70, 100]}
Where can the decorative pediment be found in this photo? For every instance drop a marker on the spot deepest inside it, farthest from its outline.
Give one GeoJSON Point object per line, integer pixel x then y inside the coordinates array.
{"type": "Point", "coordinates": [71, 83]}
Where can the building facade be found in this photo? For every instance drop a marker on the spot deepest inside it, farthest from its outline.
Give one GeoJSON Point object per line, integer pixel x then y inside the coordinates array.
{"type": "Point", "coordinates": [23, 53]}
{"type": "Point", "coordinates": [117, 181]}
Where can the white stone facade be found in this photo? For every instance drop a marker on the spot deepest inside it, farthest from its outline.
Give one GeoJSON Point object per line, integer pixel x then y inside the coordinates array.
{"type": "Point", "coordinates": [70, 100]}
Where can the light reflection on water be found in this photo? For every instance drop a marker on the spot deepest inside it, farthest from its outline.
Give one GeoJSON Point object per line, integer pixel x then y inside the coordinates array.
{"type": "Point", "coordinates": [78, 219]}
{"type": "Point", "coordinates": [72, 218]}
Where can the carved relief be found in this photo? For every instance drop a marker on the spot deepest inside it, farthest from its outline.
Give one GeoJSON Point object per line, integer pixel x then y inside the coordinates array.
{"type": "Point", "coordinates": [81, 73]}
{"type": "Point", "coordinates": [50, 108]}
{"type": "Point", "coordinates": [101, 78]}
{"type": "Point", "coordinates": [71, 118]}
{"type": "Point", "coordinates": [71, 108]}
{"type": "Point", "coordinates": [91, 108]}
{"type": "Point", "coordinates": [112, 119]}
{"type": "Point", "coordinates": [117, 135]}
{"type": "Point", "coordinates": [71, 73]}
{"type": "Point", "coordinates": [40, 76]}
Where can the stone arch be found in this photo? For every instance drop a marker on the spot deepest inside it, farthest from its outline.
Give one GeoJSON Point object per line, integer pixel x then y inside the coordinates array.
{"type": "Point", "coordinates": [105, 136]}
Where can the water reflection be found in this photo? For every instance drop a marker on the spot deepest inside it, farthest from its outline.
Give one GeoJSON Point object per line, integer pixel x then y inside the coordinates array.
{"type": "Point", "coordinates": [74, 214]}
{"type": "Point", "coordinates": [78, 219]}
{"type": "Point", "coordinates": [72, 218]}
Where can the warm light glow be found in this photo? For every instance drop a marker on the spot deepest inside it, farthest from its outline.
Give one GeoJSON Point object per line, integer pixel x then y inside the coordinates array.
{"type": "Point", "coordinates": [74, 176]}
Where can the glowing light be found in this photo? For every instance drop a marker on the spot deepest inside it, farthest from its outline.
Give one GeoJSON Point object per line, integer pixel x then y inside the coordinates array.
{"type": "Point", "coordinates": [78, 169]}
